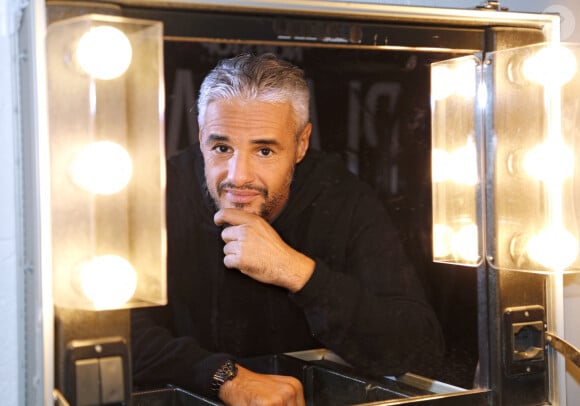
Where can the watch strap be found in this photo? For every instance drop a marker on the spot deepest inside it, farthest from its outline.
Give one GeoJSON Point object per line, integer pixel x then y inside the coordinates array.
{"type": "Point", "coordinates": [227, 371]}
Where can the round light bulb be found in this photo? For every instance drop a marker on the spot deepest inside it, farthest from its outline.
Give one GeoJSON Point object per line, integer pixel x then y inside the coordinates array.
{"type": "Point", "coordinates": [441, 241]}
{"type": "Point", "coordinates": [102, 167]}
{"type": "Point", "coordinates": [441, 82]}
{"type": "Point", "coordinates": [104, 52]}
{"type": "Point", "coordinates": [554, 248]}
{"type": "Point", "coordinates": [465, 243]}
{"type": "Point", "coordinates": [549, 162]}
{"type": "Point", "coordinates": [464, 79]}
{"type": "Point", "coordinates": [464, 165]}
{"type": "Point", "coordinates": [108, 281]}
{"type": "Point", "coordinates": [440, 165]}
{"type": "Point", "coordinates": [550, 66]}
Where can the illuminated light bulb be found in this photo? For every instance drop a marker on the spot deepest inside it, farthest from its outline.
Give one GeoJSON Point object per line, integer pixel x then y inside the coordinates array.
{"type": "Point", "coordinates": [460, 166]}
{"type": "Point", "coordinates": [441, 241]}
{"type": "Point", "coordinates": [464, 166]}
{"type": "Point", "coordinates": [441, 167]}
{"type": "Point", "coordinates": [441, 82]}
{"type": "Point", "coordinates": [102, 167]}
{"type": "Point", "coordinates": [104, 52]}
{"type": "Point", "coordinates": [549, 162]}
{"type": "Point", "coordinates": [554, 248]}
{"type": "Point", "coordinates": [554, 65]}
{"type": "Point", "coordinates": [464, 79]}
{"type": "Point", "coordinates": [108, 281]}
{"type": "Point", "coordinates": [465, 243]}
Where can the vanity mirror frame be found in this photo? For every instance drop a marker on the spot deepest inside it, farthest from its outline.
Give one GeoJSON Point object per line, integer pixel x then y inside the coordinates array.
{"type": "Point", "coordinates": [397, 28]}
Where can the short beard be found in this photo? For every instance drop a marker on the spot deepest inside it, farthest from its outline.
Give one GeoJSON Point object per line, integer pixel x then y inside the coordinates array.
{"type": "Point", "coordinates": [266, 209]}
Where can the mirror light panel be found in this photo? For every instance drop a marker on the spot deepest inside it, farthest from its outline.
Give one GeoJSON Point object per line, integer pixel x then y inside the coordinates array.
{"type": "Point", "coordinates": [106, 103]}
{"type": "Point", "coordinates": [455, 162]}
{"type": "Point", "coordinates": [527, 100]}
{"type": "Point", "coordinates": [533, 156]}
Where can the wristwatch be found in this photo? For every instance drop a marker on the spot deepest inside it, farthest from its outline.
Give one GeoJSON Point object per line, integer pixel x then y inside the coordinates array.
{"type": "Point", "coordinates": [226, 372]}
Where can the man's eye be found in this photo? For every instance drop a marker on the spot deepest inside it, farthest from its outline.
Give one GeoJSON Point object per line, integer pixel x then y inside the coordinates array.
{"type": "Point", "coordinates": [221, 149]}
{"type": "Point", "coordinates": [265, 151]}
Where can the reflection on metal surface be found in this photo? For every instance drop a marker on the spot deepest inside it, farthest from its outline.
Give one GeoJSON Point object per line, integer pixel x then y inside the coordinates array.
{"type": "Point", "coordinates": [427, 384]}
{"type": "Point", "coordinates": [564, 347]}
{"type": "Point", "coordinates": [328, 383]}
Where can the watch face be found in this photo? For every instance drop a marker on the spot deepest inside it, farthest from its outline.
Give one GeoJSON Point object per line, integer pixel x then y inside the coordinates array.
{"type": "Point", "coordinates": [224, 373]}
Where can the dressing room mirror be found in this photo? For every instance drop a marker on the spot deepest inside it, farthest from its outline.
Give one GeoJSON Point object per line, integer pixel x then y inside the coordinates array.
{"type": "Point", "coordinates": [371, 107]}
{"type": "Point", "coordinates": [370, 86]}
{"type": "Point", "coordinates": [368, 68]}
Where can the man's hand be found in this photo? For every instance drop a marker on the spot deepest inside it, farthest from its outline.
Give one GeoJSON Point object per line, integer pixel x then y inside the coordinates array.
{"type": "Point", "coordinates": [250, 388]}
{"type": "Point", "coordinates": [256, 249]}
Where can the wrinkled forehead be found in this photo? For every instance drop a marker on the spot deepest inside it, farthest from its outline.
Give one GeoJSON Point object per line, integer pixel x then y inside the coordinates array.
{"type": "Point", "coordinates": [249, 113]}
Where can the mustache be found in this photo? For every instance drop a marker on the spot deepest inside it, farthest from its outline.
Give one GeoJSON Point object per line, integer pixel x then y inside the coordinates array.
{"type": "Point", "coordinates": [228, 185]}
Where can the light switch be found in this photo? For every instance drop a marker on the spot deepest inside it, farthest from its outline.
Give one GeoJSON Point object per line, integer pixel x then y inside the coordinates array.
{"type": "Point", "coordinates": [87, 382]}
{"type": "Point", "coordinates": [112, 380]}
{"type": "Point", "coordinates": [99, 372]}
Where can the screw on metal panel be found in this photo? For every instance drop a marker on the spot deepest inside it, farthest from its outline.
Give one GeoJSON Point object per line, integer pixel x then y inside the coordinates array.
{"type": "Point", "coordinates": [491, 5]}
{"type": "Point", "coordinates": [98, 348]}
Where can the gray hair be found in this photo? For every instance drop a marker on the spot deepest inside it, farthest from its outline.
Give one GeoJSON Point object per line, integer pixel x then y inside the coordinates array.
{"type": "Point", "coordinates": [264, 78]}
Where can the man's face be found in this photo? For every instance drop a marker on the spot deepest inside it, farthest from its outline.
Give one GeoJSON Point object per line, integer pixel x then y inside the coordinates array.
{"type": "Point", "coordinates": [250, 150]}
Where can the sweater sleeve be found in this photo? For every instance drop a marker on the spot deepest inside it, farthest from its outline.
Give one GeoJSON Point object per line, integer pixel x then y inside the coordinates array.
{"type": "Point", "coordinates": [372, 311]}
{"type": "Point", "coordinates": [159, 357]}
{"type": "Point", "coordinates": [160, 353]}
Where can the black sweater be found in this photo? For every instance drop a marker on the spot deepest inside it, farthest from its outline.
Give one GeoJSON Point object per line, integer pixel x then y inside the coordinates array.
{"type": "Point", "coordinates": [363, 300]}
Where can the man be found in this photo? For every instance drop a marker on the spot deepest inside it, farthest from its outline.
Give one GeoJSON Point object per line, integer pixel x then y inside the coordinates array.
{"type": "Point", "coordinates": [273, 248]}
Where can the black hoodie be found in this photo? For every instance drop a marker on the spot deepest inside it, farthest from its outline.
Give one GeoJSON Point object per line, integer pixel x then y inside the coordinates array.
{"type": "Point", "coordinates": [363, 300]}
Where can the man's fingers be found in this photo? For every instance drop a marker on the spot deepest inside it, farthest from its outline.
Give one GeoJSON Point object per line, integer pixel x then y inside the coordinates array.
{"type": "Point", "coordinates": [233, 217]}
{"type": "Point", "coordinates": [289, 389]}
{"type": "Point", "coordinates": [250, 388]}
{"type": "Point", "coordinates": [296, 394]}
{"type": "Point", "coordinates": [232, 248]}
{"type": "Point", "coordinates": [230, 233]}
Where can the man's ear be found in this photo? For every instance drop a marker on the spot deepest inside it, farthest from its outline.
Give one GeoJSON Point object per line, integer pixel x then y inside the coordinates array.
{"type": "Point", "coordinates": [303, 142]}
{"type": "Point", "coordinates": [199, 136]}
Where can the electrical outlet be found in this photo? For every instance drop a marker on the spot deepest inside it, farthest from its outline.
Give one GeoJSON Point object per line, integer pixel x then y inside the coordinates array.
{"type": "Point", "coordinates": [524, 342]}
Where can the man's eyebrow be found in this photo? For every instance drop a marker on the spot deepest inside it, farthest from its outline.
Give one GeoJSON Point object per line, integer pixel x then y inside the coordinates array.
{"type": "Point", "coordinates": [216, 138]}
{"type": "Point", "coordinates": [266, 141]}
{"type": "Point", "coordinates": [211, 138]}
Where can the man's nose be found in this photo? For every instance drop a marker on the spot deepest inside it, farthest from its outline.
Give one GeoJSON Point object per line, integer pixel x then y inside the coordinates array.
{"type": "Point", "coordinates": [240, 170]}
